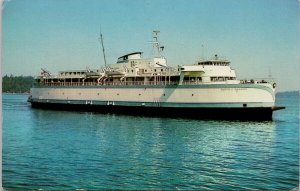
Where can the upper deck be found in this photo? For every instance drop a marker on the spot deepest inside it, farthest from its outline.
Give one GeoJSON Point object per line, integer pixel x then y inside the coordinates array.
{"type": "Point", "coordinates": [132, 69]}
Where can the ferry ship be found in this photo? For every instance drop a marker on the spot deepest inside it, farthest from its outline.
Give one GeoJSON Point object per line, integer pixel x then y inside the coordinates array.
{"type": "Point", "coordinates": [206, 89]}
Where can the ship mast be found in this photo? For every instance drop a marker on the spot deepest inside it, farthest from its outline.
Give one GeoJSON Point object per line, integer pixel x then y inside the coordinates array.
{"type": "Point", "coordinates": [103, 50]}
{"type": "Point", "coordinates": [156, 44]}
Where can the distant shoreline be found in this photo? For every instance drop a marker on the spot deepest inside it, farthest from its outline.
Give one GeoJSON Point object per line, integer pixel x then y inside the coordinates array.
{"type": "Point", "coordinates": [15, 92]}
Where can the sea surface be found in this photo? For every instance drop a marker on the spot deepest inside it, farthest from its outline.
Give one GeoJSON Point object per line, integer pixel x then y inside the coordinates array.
{"type": "Point", "coordinates": [68, 150]}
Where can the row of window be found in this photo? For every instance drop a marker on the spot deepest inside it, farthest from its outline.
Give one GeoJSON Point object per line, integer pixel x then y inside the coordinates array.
{"type": "Point", "coordinates": [211, 78]}
{"type": "Point", "coordinates": [192, 78]}
{"type": "Point", "coordinates": [221, 78]}
{"type": "Point", "coordinates": [74, 73]}
{"type": "Point", "coordinates": [155, 70]}
{"type": "Point", "coordinates": [214, 63]}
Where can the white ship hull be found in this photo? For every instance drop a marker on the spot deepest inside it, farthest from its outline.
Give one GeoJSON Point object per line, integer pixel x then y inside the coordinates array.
{"type": "Point", "coordinates": [181, 98]}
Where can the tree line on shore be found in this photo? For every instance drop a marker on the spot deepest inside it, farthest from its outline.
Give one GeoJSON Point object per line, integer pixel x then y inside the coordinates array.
{"type": "Point", "coordinates": [17, 84]}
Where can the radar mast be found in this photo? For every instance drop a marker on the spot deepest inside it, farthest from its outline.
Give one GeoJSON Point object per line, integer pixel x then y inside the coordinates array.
{"type": "Point", "coordinates": [156, 44]}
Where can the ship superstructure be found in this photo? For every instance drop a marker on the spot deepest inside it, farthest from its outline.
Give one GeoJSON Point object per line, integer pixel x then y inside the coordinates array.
{"type": "Point", "coordinates": [206, 89]}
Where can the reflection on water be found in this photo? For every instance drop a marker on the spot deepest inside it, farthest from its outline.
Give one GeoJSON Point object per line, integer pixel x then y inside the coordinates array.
{"type": "Point", "coordinates": [72, 150]}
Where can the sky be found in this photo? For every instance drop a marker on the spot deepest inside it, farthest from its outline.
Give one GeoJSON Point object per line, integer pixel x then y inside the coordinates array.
{"type": "Point", "coordinates": [261, 38]}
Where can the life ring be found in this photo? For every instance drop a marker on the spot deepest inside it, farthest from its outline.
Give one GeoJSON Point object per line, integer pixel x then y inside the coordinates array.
{"type": "Point", "coordinates": [274, 85]}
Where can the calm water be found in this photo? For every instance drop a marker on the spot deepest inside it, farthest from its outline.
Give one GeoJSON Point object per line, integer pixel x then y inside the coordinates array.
{"type": "Point", "coordinates": [60, 150]}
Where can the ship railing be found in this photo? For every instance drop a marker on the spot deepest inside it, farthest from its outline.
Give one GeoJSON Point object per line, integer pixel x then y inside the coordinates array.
{"type": "Point", "coordinates": [136, 83]}
{"type": "Point", "coordinates": [226, 81]}
{"type": "Point", "coordinates": [257, 81]}
{"type": "Point", "coordinates": [121, 83]}
{"type": "Point", "coordinates": [203, 83]}
{"type": "Point", "coordinates": [140, 83]}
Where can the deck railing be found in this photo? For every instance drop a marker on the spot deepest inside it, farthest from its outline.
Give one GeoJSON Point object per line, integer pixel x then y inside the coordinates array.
{"type": "Point", "coordinates": [143, 83]}
{"type": "Point", "coordinates": [139, 83]}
